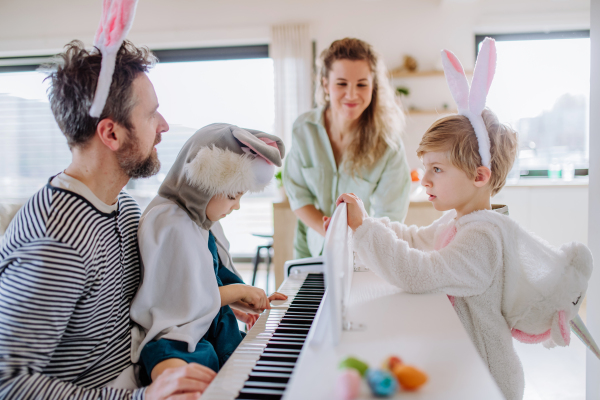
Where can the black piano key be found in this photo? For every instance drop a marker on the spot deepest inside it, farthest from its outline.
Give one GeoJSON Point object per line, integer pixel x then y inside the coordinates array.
{"type": "Point", "coordinates": [289, 335]}
{"type": "Point", "coordinates": [274, 349]}
{"type": "Point", "coordinates": [307, 302]}
{"type": "Point", "coordinates": [284, 345]}
{"type": "Point", "coordinates": [260, 394]}
{"type": "Point", "coordinates": [275, 363]}
{"type": "Point", "coordinates": [266, 385]}
{"type": "Point", "coordinates": [269, 377]}
{"type": "Point", "coordinates": [298, 319]}
{"type": "Point", "coordinates": [287, 339]}
{"type": "Point", "coordinates": [292, 330]}
{"type": "Point", "coordinates": [271, 368]}
{"type": "Point", "coordinates": [305, 323]}
{"type": "Point", "coordinates": [278, 357]}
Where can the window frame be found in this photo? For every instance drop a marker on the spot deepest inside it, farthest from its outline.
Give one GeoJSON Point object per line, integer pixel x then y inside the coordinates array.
{"type": "Point", "coordinates": [32, 63]}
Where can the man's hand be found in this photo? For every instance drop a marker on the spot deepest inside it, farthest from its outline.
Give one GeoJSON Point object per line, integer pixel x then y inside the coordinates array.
{"type": "Point", "coordinates": [356, 210]}
{"type": "Point", "coordinates": [183, 383]}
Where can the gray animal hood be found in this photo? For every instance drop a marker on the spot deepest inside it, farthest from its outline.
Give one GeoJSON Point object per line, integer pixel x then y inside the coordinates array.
{"type": "Point", "coordinates": [220, 159]}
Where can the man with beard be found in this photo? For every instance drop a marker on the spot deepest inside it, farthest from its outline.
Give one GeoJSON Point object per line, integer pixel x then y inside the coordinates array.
{"type": "Point", "coordinates": [69, 264]}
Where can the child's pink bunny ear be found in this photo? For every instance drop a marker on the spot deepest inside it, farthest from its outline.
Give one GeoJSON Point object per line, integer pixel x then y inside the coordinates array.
{"type": "Point", "coordinates": [115, 23]}
{"type": "Point", "coordinates": [485, 68]}
{"type": "Point", "coordinates": [457, 80]}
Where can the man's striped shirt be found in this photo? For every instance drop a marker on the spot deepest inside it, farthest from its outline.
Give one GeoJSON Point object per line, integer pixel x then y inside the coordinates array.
{"type": "Point", "coordinates": [68, 273]}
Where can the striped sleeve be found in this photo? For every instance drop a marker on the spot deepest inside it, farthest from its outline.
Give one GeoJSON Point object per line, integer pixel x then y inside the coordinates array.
{"type": "Point", "coordinates": [41, 285]}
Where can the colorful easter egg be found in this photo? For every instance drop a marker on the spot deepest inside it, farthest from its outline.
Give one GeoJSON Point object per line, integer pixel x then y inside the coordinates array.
{"type": "Point", "coordinates": [391, 362]}
{"type": "Point", "coordinates": [410, 378]}
{"type": "Point", "coordinates": [347, 385]}
{"type": "Point", "coordinates": [355, 363]}
{"type": "Point", "coordinates": [381, 382]}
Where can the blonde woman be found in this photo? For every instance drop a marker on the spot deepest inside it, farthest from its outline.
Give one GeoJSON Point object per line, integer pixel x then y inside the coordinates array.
{"type": "Point", "coordinates": [350, 143]}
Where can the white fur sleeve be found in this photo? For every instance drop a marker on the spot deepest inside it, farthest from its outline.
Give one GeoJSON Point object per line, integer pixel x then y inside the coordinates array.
{"type": "Point", "coordinates": [465, 267]}
{"type": "Point", "coordinates": [422, 238]}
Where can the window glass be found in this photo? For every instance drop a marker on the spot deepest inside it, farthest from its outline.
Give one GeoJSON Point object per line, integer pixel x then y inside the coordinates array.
{"type": "Point", "coordinates": [541, 88]}
{"type": "Point", "coordinates": [191, 95]}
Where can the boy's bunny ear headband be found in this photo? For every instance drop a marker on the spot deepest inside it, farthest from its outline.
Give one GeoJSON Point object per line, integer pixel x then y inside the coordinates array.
{"type": "Point", "coordinates": [221, 159]}
{"type": "Point", "coordinates": [117, 17]}
{"type": "Point", "coordinates": [472, 102]}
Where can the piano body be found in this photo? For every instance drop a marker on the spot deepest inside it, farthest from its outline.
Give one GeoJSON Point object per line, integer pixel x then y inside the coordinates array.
{"type": "Point", "coordinates": [293, 350]}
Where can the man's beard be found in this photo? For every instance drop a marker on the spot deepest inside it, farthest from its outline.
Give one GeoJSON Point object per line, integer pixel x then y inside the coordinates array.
{"type": "Point", "coordinates": [132, 163]}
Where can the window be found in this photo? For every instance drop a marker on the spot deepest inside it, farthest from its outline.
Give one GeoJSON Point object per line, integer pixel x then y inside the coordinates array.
{"type": "Point", "coordinates": [541, 88]}
{"type": "Point", "coordinates": [195, 87]}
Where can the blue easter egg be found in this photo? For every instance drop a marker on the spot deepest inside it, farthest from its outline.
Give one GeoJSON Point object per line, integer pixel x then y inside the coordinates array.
{"type": "Point", "coordinates": [381, 382]}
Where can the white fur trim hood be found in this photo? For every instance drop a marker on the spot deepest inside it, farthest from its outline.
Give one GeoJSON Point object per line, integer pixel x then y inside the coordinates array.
{"type": "Point", "coordinates": [221, 171]}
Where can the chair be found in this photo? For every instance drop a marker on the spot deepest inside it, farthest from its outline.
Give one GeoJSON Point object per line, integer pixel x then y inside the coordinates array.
{"type": "Point", "coordinates": [256, 260]}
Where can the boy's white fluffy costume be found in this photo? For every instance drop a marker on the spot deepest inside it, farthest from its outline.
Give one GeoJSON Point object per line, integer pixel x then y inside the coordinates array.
{"type": "Point", "coordinates": [179, 296]}
{"type": "Point", "coordinates": [505, 281]}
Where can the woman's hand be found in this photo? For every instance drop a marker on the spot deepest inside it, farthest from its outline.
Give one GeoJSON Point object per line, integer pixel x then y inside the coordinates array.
{"type": "Point", "coordinates": [248, 318]}
{"type": "Point", "coordinates": [356, 210]}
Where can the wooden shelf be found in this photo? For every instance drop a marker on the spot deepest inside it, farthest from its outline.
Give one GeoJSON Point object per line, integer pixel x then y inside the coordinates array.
{"type": "Point", "coordinates": [420, 74]}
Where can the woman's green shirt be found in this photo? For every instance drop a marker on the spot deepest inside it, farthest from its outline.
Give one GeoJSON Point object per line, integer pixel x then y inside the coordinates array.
{"type": "Point", "coordinates": [311, 176]}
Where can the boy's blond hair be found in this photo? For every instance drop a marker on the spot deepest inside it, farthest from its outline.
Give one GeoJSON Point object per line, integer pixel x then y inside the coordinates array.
{"type": "Point", "coordinates": [455, 136]}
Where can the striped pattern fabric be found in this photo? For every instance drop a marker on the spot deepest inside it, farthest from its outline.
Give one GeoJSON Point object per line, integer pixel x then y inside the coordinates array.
{"type": "Point", "coordinates": [68, 273]}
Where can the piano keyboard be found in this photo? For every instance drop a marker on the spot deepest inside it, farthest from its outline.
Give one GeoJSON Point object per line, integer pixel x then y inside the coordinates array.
{"type": "Point", "coordinates": [263, 363]}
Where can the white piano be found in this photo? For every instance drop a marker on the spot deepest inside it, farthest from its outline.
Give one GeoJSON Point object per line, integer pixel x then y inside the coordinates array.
{"type": "Point", "coordinates": [293, 350]}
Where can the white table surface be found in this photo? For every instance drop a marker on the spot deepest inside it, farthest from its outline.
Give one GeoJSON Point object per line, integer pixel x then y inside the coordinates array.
{"type": "Point", "coordinates": [423, 330]}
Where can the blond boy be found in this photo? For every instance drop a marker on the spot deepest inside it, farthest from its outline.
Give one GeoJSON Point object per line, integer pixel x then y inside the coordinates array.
{"type": "Point", "coordinates": [462, 253]}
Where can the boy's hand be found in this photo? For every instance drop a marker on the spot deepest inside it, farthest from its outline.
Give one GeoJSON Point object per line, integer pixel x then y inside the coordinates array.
{"type": "Point", "coordinates": [255, 298]}
{"type": "Point", "coordinates": [326, 222]}
{"type": "Point", "coordinates": [356, 209]}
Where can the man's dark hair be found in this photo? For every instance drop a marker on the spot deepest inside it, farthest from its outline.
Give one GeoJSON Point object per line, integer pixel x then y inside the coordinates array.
{"type": "Point", "coordinates": [73, 85]}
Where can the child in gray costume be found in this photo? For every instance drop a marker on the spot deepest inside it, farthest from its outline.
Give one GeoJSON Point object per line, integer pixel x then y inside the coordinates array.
{"type": "Point", "coordinates": [182, 306]}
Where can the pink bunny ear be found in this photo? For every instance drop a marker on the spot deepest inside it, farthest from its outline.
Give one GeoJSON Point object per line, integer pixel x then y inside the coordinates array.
{"type": "Point", "coordinates": [115, 23]}
{"type": "Point", "coordinates": [560, 332]}
{"type": "Point", "coordinates": [457, 80]}
{"type": "Point", "coordinates": [485, 68]}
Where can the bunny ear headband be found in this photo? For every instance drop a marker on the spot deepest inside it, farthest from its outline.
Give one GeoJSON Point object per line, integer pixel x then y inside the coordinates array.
{"type": "Point", "coordinates": [117, 17]}
{"type": "Point", "coordinates": [471, 102]}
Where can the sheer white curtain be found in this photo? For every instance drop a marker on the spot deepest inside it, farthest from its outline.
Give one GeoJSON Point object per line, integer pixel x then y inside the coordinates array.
{"type": "Point", "coordinates": [291, 51]}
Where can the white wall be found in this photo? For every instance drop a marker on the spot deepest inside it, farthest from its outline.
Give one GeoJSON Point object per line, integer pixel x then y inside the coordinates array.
{"type": "Point", "coordinates": [593, 298]}
{"type": "Point", "coordinates": [395, 27]}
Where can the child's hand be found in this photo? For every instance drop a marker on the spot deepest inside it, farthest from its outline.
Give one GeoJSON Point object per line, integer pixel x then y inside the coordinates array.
{"type": "Point", "coordinates": [255, 298]}
{"type": "Point", "coordinates": [326, 221]}
{"type": "Point", "coordinates": [277, 296]}
{"type": "Point", "coordinates": [248, 318]}
{"type": "Point", "coordinates": [356, 209]}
